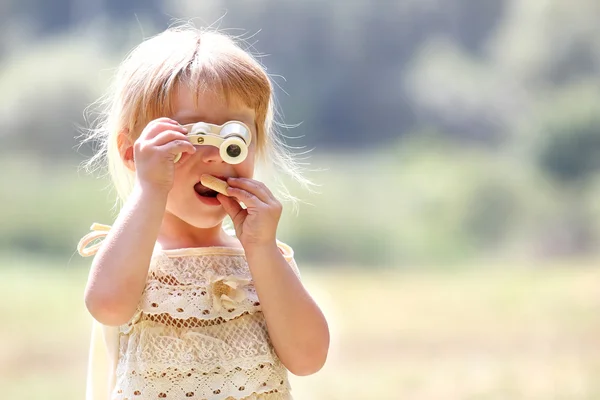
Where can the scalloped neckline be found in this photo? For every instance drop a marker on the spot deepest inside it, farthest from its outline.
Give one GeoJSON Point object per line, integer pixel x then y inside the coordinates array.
{"type": "Point", "coordinates": [193, 251]}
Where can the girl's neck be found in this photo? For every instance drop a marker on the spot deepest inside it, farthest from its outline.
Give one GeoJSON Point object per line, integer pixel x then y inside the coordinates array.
{"type": "Point", "coordinates": [180, 235]}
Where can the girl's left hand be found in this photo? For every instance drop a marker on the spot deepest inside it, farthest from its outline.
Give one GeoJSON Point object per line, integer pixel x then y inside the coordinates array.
{"type": "Point", "coordinates": [257, 224]}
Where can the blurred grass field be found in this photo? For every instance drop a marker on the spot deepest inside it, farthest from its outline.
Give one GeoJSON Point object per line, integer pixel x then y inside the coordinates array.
{"type": "Point", "coordinates": [495, 333]}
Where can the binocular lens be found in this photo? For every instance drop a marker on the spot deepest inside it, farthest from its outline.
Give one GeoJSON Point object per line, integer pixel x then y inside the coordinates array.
{"type": "Point", "coordinates": [234, 150]}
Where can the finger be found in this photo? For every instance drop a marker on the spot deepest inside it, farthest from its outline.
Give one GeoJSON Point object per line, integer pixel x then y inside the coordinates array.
{"type": "Point", "coordinates": [249, 199]}
{"type": "Point", "coordinates": [178, 146]}
{"type": "Point", "coordinates": [166, 119]}
{"type": "Point", "coordinates": [232, 208]}
{"type": "Point", "coordinates": [255, 187]}
{"type": "Point", "coordinates": [156, 127]}
{"type": "Point", "coordinates": [166, 137]}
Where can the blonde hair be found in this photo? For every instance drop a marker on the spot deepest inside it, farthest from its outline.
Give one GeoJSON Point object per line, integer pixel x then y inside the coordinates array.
{"type": "Point", "coordinates": [203, 61]}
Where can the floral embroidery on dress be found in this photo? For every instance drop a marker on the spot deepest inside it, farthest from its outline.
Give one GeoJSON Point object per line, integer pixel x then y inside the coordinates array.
{"type": "Point", "coordinates": [227, 291]}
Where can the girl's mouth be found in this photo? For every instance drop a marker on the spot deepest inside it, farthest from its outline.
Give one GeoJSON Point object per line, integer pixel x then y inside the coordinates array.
{"type": "Point", "coordinates": [207, 192]}
{"type": "Point", "coordinates": [206, 196]}
{"type": "Point", "coordinates": [204, 191]}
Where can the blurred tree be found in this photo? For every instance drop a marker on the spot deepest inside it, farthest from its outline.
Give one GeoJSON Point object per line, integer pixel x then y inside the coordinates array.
{"type": "Point", "coordinates": [45, 93]}
{"type": "Point", "coordinates": [63, 15]}
{"type": "Point", "coordinates": [43, 18]}
{"type": "Point", "coordinates": [569, 136]}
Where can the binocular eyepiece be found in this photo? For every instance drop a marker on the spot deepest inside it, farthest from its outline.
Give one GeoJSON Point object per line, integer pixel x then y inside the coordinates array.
{"type": "Point", "coordinates": [232, 138]}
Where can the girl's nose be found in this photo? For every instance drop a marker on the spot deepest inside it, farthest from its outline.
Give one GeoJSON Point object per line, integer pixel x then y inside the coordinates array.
{"type": "Point", "coordinates": [210, 154]}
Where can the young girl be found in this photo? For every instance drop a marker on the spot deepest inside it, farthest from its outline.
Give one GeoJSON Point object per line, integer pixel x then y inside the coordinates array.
{"type": "Point", "coordinates": [186, 309]}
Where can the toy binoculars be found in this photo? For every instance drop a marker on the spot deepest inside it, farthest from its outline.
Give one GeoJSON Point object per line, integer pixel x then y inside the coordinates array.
{"type": "Point", "coordinates": [232, 138]}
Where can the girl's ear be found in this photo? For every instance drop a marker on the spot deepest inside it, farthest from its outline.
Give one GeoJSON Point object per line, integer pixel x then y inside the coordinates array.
{"type": "Point", "coordinates": [125, 146]}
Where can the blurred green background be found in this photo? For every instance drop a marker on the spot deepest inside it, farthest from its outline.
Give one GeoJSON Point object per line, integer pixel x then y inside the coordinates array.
{"type": "Point", "coordinates": [454, 239]}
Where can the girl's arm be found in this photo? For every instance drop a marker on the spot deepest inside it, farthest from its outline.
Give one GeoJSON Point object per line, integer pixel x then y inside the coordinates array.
{"type": "Point", "coordinates": [296, 325]}
{"type": "Point", "coordinates": [119, 270]}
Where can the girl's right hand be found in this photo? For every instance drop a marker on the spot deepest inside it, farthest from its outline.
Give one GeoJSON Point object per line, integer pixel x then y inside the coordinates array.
{"type": "Point", "coordinates": [155, 150]}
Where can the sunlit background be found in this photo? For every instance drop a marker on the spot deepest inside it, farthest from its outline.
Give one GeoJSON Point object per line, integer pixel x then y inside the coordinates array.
{"type": "Point", "coordinates": [454, 239]}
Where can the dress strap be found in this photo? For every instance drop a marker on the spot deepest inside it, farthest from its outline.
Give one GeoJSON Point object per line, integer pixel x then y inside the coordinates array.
{"type": "Point", "coordinates": [97, 231]}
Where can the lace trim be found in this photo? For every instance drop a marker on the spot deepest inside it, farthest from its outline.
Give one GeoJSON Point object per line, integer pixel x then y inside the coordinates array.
{"type": "Point", "coordinates": [166, 319]}
{"type": "Point", "coordinates": [192, 270]}
{"type": "Point", "coordinates": [187, 265]}
{"type": "Point", "coordinates": [199, 302]}
{"type": "Point", "coordinates": [242, 342]}
{"type": "Point", "coordinates": [268, 382]}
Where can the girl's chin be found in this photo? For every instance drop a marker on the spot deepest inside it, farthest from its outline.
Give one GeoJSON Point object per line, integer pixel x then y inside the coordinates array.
{"type": "Point", "coordinates": [201, 216]}
{"type": "Point", "coordinates": [205, 221]}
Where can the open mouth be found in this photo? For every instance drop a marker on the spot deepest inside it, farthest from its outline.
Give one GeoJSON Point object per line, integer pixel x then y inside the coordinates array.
{"type": "Point", "coordinates": [207, 192]}
{"type": "Point", "coordinates": [204, 191]}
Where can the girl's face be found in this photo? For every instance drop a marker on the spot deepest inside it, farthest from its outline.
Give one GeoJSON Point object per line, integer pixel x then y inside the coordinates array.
{"type": "Point", "coordinates": [185, 207]}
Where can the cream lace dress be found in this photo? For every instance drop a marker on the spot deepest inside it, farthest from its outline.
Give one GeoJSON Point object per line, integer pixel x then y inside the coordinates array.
{"type": "Point", "coordinates": [198, 333]}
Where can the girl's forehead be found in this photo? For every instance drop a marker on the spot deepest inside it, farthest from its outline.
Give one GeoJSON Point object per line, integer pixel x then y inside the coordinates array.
{"type": "Point", "coordinates": [208, 106]}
